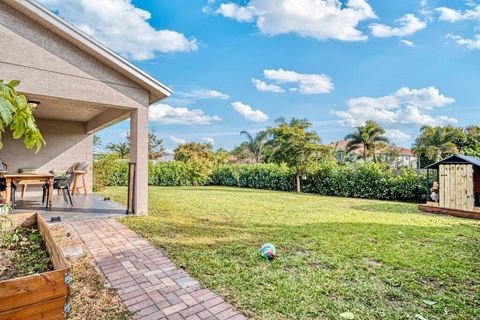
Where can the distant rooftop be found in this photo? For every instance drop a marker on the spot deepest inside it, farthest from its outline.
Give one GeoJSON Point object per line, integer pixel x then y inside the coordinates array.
{"type": "Point", "coordinates": [342, 145]}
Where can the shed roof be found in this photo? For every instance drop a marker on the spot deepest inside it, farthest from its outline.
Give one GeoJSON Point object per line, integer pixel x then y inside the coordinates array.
{"type": "Point", "coordinates": [56, 24]}
{"type": "Point", "coordinates": [456, 159]}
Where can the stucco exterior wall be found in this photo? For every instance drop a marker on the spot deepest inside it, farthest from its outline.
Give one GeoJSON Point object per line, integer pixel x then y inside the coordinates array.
{"type": "Point", "coordinates": [50, 66]}
{"type": "Point", "coordinates": [67, 143]}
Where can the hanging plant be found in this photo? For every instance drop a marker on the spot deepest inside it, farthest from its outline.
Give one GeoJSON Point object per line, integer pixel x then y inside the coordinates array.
{"type": "Point", "coordinates": [16, 115]}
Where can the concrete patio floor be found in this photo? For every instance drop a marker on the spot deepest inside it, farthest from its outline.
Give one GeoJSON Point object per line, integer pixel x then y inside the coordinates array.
{"type": "Point", "coordinates": [85, 207]}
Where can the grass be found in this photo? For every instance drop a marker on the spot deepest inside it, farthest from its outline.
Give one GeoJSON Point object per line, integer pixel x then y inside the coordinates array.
{"type": "Point", "coordinates": [377, 260]}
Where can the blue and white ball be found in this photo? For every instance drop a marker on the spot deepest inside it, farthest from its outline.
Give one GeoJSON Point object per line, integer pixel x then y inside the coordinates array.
{"type": "Point", "coordinates": [268, 251]}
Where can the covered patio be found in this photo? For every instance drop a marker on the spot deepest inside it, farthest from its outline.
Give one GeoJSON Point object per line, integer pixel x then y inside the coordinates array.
{"type": "Point", "coordinates": [86, 207]}
{"type": "Point", "coordinates": [78, 87]}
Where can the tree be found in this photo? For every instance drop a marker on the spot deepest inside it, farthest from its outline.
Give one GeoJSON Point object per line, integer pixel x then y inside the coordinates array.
{"type": "Point", "coordinates": [436, 143]}
{"type": "Point", "coordinates": [17, 115]}
{"type": "Point", "coordinates": [155, 146]}
{"type": "Point", "coordinates": [193, 150]}
{"type": "Point", "coordinates": [97, 141]}
{"type": "Point", "coordinates": [122, 149]}
{"type": "Point", "coordinates": [292, 144]}
{"type": "Point", "coordinates": [255, 144]}
{"type": "Point", "coordinates": [199, 159]}
{"type": "Point", "coordinates": [368, 138]}
{"type": "Point", "coordinates": [471, 146]}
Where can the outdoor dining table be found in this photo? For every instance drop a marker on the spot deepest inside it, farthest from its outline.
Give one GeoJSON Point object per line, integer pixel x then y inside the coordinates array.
{"type": "Point", "coordinates": [17, 177]}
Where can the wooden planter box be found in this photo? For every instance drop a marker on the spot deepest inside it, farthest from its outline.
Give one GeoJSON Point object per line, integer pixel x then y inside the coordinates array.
{"type": "Point", "coordinates": [39, 296]}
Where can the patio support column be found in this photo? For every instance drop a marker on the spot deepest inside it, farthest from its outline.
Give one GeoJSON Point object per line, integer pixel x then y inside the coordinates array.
{"type": "Point", "coordinates": [139, 155]}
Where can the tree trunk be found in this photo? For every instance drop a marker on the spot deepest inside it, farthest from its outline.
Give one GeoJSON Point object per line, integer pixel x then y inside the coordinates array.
{"type": "Point", "coordinates": [297, 179]}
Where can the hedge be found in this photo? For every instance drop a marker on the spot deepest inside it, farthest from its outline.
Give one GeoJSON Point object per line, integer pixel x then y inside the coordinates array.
{"type": "Point", "coordinates": [367, 180]}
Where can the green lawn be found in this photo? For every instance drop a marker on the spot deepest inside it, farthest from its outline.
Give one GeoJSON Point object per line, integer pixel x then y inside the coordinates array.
{"type": "Point", "coordinates": [378, 260]}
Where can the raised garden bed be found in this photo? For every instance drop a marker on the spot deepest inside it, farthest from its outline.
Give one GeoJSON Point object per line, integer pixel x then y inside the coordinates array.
{"type": "Point", "coordinates": [42, 295]}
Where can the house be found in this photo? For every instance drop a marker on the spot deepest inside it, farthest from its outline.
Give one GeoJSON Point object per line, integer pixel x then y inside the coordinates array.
{"type": "Point", "coordinates": [403, 157]}
{"type": "Point", "coordinates": [80, 86]}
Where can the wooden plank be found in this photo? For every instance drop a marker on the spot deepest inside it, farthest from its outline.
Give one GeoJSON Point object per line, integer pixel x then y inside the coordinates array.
{"type": "Point", "coordinates": [441, 178]}
{"type": "Point", "coordinates": [25, 291]}
{"type": "Point", "coordinates": [470, 188]}
{"type": "Point", "coordinates": [451, 212]}
{"type": "Point", "coordinates": [459, 187]}
{"type": "Point", "coordinates": [451, 188]}
{"type": "Point", "coordinates": [463, 191]}
{"type": "Point", "coordinates": [56, 254]}
{"type": "Point", "coordinates": [47, 309]}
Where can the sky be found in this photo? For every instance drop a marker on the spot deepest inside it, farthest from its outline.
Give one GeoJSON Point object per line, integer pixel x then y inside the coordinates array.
{"type": "Point", "coordinates": [240, 65]}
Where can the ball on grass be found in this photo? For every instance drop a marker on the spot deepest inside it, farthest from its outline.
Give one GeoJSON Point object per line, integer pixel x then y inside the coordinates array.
{"type": "Point", "coordinates": [268, 251]}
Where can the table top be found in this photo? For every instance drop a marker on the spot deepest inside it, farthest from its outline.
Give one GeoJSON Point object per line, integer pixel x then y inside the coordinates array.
{"type": "Point", "coordinates": [28, 175]}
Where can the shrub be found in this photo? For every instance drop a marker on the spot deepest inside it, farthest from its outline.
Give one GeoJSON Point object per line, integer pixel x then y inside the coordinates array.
{"type": "Point", "coordinates": [109, 170]}
{"type": "Point", "coordinates": [260, 176]}
{"type": "Point", "coordinates": [174, 173]}
{"type": "Point", "coordinates": [367, 180]}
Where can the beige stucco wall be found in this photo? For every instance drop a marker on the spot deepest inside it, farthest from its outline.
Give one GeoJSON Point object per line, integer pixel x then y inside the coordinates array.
{"type": "Point", "coordinates": [67, 143]}
{"type": "Point", "coordinates": [50, 66]}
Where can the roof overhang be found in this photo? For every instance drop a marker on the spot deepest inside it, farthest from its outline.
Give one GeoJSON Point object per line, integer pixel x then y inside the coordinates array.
{"type": "Point", "coordinates": [456, 159]}
{"type": "Point", "coordinates": [86, 43]}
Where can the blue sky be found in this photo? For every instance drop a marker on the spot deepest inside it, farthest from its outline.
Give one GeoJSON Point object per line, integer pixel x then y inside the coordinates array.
{"type": "Point", "coordinates": [401, 63]}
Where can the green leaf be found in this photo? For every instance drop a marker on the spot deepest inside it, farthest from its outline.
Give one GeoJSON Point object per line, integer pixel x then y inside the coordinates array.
{"type": "Point", "coordinates": [347, 315]}
{"type": "Point", "coordinates": [21, 101]}
{"type": "Point", "coordinates": [6, 110]}
{"type": "Point", "coordinates": [419, 317]}
{"type": "Point", "coordinates": [12, 84]}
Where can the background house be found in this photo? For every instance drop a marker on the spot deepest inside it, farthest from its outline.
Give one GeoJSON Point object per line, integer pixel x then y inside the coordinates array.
{"type": "Point", "coordinates": [398, 157]}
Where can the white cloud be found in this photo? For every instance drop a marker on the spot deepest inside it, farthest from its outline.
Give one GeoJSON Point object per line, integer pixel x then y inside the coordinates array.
{"type": "Point", "coordinates": [165, 114]}
{"type": "Point", "coordinates": [178, 140]}
{"type": "Point", "coordinates": [408, 24]}
{"type": "Point", "coordinates": [307, 83]}
{"type": "Point", "coordinates": [234, 11]}
{"type": "Point", "coordinates": [203, 94]}
{"type": "Point", "coordinates": [209, 140]}
{"type": "Point", "coordinates": [469, 43]}
{"type": "Point", "coordinates": [318, 19]}
{"type": "Point", "coordinates": [398, 135]}
{"type": "Point", "coordinates": [405, 106]}
{"type": "Point", "coordinates": [122, 27]}
{"type": "Point", "coordinates": [248, 113]}
{"type": "Point", "coordinates": [408, 43]}
{"type": "Point", "coordinates": [265, 87]}
{"type": "Point", "coordinates": [452, 15]}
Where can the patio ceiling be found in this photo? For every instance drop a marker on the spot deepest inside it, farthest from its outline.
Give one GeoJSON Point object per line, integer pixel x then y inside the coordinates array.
{"type": "Point", "coordinates": [95, 115]}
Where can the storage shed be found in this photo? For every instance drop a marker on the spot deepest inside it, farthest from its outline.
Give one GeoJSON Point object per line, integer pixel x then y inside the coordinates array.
{"type": "Point", "coordinates": [453, 186]}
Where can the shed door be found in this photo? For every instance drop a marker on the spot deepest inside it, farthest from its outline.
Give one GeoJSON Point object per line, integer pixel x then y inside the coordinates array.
{"type": "Point", "coordinates": [456, 186]}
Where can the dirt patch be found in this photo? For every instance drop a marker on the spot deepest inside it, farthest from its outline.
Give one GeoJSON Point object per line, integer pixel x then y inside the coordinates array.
{"type": "Point", "coordinates": [23, 253]}
{"type": "Point", "coordinates": [373, 263]}
{"type": "Point", "coordinates": [90, 295]}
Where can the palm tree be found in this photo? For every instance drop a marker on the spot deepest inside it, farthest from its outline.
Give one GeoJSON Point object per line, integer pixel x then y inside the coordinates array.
{"type": "Point", "coordinates": [255, 144]}
{"type": "Point", "coordinates": [121, 148]}
{"type": "Point", "coordinates": [436, 143]}
{"type": "Point", "coordinates": [368, 138]}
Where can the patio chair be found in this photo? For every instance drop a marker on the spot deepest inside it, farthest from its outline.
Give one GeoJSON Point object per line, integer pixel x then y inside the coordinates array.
{"type": "Point", "coordinates": [3, 184]}
{"type": "Point", "coordinates": [78, 170]}
{"type": "Point", "coordinates": [60, 183]}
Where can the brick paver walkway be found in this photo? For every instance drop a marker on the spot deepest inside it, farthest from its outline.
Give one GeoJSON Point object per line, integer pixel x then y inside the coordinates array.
{"type": "Point", "coordinates": [150, 285]}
